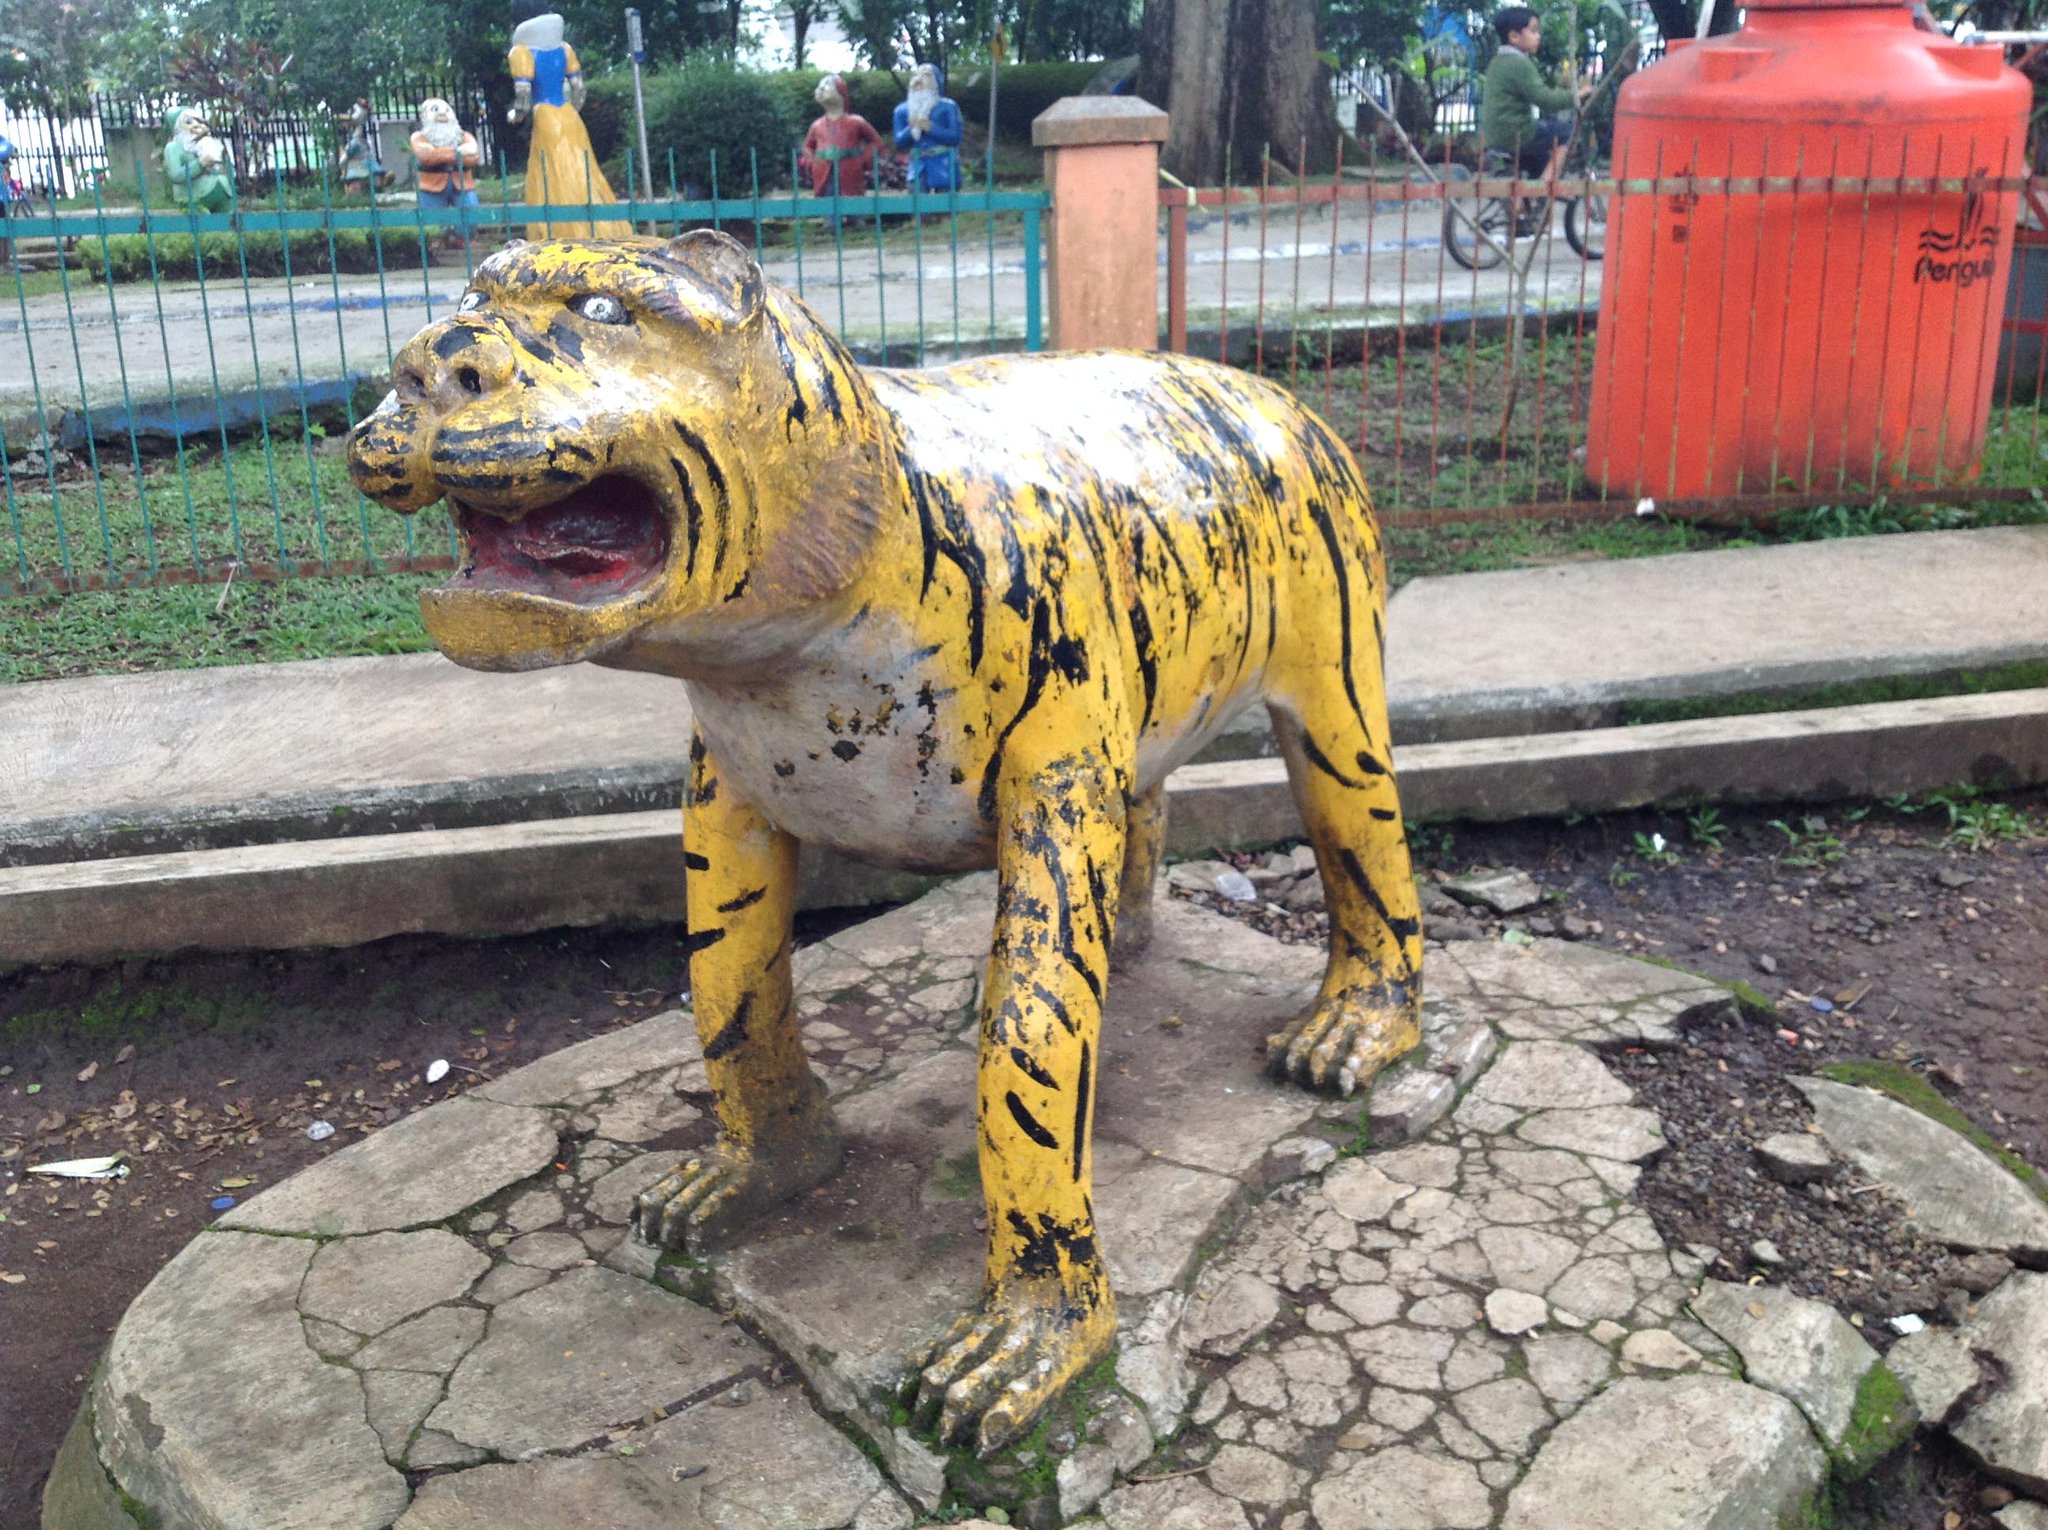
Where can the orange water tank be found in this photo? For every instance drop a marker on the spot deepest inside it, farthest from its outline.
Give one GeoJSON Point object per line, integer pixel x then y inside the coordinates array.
{"type": "Point", "coordinates": [1771, 335]}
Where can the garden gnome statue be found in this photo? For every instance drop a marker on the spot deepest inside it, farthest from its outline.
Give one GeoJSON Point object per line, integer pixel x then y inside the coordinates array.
{"type": "Point", "coordinates": [361, 164]}
{"type": "Point", "coordinates": [839, 150]}
{"type": "Point", "coordinates": [928, 125]}
{"type": "Point", "coordinates": [547, 83]}
{"type": "Point", "coordinates": [197, 163]}
{"type": "Point", "coordinates": [447, 157]}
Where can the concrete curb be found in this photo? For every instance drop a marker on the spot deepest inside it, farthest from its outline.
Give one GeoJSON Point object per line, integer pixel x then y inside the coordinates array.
{"type": "Point", "coordinates": [624, 867]}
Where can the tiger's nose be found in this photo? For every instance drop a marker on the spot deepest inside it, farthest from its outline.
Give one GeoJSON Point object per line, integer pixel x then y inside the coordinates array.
{"type": "Point", "coordinates": [452, 366]}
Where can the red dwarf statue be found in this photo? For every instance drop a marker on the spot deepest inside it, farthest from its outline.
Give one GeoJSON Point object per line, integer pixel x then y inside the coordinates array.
{"type": "Point", "coordinates": [839, 150]}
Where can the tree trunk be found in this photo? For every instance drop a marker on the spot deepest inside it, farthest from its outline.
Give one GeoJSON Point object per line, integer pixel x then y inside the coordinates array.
{"type": "Point", "coordinates": [1237, 77]}
{"type": "Point", "coordinates": [801, 16]}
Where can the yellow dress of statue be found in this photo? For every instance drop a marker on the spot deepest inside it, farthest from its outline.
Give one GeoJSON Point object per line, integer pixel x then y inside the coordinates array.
{"type": "Point", "coordinates": [547, 82]}
{"type": "Point", "coordinates": [944, 619]}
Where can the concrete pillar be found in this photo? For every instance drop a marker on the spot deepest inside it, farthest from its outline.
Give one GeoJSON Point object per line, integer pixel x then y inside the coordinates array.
{"type": "Point", "coordinates": [1102, 170]}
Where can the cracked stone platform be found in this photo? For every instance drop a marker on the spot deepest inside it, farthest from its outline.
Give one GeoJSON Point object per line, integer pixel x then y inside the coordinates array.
{"type": "Point", "coordinates": [1468, 1323]}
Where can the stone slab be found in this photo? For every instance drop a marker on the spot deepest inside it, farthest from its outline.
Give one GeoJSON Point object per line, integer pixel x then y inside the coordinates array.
{"type": "Point", "coordinates": [585, 1354]}
{"type": "Point", "coordinates": [78, 1493]}
{"type": "Point", "coordinates": [421, 1169]}
{"type": "Point", "coordinates": [2008, 1431]}
{"type": "Point", "coordinates": [1803, 1350]}
{"type": "Point", "coordinates": [1695, 1453]}
{"type": "Point", "coordinates": [260, 1434]}
{"type": "Point", "coordinates": [609, 1491]}
{"type": "Point", "coordinates": [367, 1285]}
{"type": "Point", "coordinates": [1955, 1192]}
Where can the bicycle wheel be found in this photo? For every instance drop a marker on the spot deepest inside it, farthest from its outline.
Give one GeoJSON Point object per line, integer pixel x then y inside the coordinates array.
{"type": "Point", "coordinates": [1466, 245]}
{"type": "Point", "coordinates": [1585, 225]}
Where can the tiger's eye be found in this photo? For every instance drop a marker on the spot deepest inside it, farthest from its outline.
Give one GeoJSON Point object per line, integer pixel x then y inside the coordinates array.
{"type": "Point", "coordinates": [598, 308]}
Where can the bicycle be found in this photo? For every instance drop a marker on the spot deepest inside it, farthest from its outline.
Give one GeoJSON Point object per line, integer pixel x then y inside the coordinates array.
{"type": "Point", "coordinates": [1480, 238]}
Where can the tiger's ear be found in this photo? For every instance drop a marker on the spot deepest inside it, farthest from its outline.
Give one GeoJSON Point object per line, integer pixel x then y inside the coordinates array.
{"type": "Point", "coordinates": [727, 279]}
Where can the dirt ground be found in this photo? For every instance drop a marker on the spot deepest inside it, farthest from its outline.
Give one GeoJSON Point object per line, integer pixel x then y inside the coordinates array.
{"type": "Point", "coordinates": [208, 1071]}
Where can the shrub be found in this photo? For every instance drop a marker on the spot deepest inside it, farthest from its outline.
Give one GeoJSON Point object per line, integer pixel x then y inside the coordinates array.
{"type": "Point", "coordinates": [706, 106]}
{"type": "Point", "coordinates": [1022, 92]}
{"type": "Point", "coordinates": [354, 252]}
{"type": "Point", "coordinates": [608, 115]}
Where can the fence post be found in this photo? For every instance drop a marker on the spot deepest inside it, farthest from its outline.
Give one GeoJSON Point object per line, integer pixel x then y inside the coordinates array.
{"type": "Point", "coordinates": [1102, 171]}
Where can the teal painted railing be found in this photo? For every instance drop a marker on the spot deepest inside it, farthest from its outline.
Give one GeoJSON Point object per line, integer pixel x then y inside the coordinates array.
{"type": "Point", "coordinates": [174, 390]}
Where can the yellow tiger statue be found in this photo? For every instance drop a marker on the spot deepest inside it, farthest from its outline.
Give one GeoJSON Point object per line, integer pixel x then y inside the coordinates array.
{"type": "Point", "coordinates": [941, 620]}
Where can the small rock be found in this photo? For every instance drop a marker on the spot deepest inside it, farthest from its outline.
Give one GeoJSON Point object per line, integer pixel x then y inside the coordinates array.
{"type": "Point", "coordinates": [1305, 897]}
{"type": "Point", "coordinates": [1571, 927]}
{"type": "Point", "coordinates": [1766, 1253]}
{"type": "Point", "coordinates": [1952, 879]}
{"type": "Point", "coordinates": [1796, 1158]}
{"type": "Point", "coordinates": [1658, 1349]}
{"type": "Point", "coordinates": [1465, 1051]}
{"type": "Point", "coordinates": [1511, 1313]}
{"type": "Point", "coordinates": [1436, 901]}
{"type": "Point", "coordinates": [1980, 1274]}
{"type": "Point", "coordinates": [1500, 892]}
{"type": "Point", "coordinates": [2008, 1431]}
{"type": "Point", "coordinates": [1936, 1368]}
{"type": "Point", "coordinates": [1765, 963]}
{"type": "Point", "coordinates": [1408, 1103]}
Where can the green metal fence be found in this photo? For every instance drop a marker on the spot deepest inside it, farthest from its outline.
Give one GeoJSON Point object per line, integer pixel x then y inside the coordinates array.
{"type": "Point", "coordinates": [173, 393]}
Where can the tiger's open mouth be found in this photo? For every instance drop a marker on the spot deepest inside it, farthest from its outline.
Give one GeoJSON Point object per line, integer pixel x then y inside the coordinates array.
{"type": "Point", "coordinates": [603, 541]}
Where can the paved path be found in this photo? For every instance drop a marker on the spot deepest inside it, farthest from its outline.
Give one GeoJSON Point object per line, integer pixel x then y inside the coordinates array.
{"type": "Point", "coordinates": [1385, 262]}
{"type": "Point", "coordinates": [123, 764]}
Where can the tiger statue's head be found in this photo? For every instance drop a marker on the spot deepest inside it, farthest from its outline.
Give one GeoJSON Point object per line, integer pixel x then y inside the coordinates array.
{"type": "Point", "coordinates": [652, 457]}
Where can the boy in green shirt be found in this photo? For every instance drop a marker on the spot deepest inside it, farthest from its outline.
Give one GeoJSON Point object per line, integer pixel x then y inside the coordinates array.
{"type": "Point", "coordinates": [1519, 110]}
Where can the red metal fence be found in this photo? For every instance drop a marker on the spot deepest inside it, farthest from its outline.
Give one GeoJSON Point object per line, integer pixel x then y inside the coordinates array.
{"type": "Point", "coordinates": [1461, 368]}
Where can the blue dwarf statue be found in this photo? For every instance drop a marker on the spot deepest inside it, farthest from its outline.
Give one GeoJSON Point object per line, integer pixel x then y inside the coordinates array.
{"type": "Point", "coordinates": [928, 125]}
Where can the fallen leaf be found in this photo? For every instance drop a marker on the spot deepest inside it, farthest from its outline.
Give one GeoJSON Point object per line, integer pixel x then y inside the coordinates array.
{"type": "Point", "coordinates": [391, 1066]}
{"type": "Point", "coordinates": [126, 1054]}
{"type": "Point", "coordinates": [85, 1074]}
{"type": "Point", "coordinates": [236, 1182]}
{"type": "Point", "coordinates": [11, 1279]}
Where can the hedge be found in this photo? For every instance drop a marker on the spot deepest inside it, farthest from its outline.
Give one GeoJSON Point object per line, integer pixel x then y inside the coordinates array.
{"type": "Point", "coordinates": [354, 253]}
{"type": "Point", "coordinates": [1022, 92]}
{"type": "Point", "coordinates": [707, 104]}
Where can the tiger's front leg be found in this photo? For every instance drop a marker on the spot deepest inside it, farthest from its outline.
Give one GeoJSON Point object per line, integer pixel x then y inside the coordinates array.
{"type": "Point", "coordinates": [1047, 1313]}
{"type": "Point", "coordinates": [776, 1134]}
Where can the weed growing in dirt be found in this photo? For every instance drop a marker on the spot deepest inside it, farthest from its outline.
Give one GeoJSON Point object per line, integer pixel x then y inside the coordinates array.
{"type": "Point", "coordinates": [1656, 850]}
{"type": "Point", "coordinates": [1808, 843]}
{"type": "Point", "coordinates": [1706, 828]}
{"type": "Point", "coordinates": [1975, 822]}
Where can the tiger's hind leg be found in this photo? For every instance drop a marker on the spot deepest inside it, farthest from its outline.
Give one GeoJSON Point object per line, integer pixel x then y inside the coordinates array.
{"type": "Point", "coordinates": [1338, 765]}
{"type": "Point", "coordinates": [1144, 850]}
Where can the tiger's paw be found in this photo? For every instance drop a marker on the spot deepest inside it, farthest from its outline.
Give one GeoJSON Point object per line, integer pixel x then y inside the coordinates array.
{"type": "Point", "coordinates": [1344, 1041]}
{"type": "Point", "coordinates": [705, 1203]}
{"type": "Point", "coordinates": [989, 1379]}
